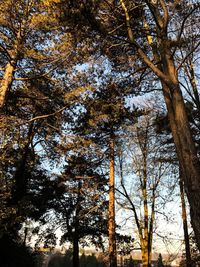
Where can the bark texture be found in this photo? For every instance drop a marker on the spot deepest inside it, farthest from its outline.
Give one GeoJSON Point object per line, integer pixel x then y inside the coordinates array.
{"type": "Point", "coordinates": [185, 147]}
{"type": "Point", "coordinates": [14, 55]}
{"type": "Point", "coordinates": [6, 83]}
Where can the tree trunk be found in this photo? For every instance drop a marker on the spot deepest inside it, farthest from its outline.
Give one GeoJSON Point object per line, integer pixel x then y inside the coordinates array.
{"type": "Point", "coordinates": [186, 151]}
{"type": "Point", "coordinates": [19, 188]}
{"type": "Point", "coordinates": [10, 67]}
{"type": "Point", "coordinates": [111, 218]}
{"type": "Point", "coordinates": [182, 136]}
{"type": "Point", "coordinates": [167, 72]}
{"type": "Point", "coordinates": [76, 229]}
{"type": "Point", "coordinates": [145, 244]}
{"type": "Point", "coordinates": [6, 83]}
{"type": "Point", "coordinates": [145, 257]}
{"type": "Point", "coordinates": [151, 228]}
{"type": "Point", "coordinates": [185, 225]}
{"type": "Point", "coordinates": [75, 251]}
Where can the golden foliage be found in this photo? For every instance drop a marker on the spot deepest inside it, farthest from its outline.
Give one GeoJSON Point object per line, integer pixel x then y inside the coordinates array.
{"type": "Point", "coordinates": [78, 92]}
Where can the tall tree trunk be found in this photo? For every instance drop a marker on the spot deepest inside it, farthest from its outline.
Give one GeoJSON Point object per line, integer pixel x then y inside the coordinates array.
{"type": "Point", "coordinates": [145, 244]}
{"type": "Point", "coordinates": [185, 225]}
{"type": "Point", "coordinates": [76, 230]}
{"type": "Point", "coordinates": [151, 228]}
{"type": "Point", "coordinates": [19, 189]}
{"type": "Point", "coordinates": [11, 66]}
{"type": "Point", "coordinates": [6, 83]}
{"type": "Point", "coordinates": [111, 217]}
{"type": "Point", "coordinates": [75, 251]}
{"type": "Point", "coordinates": [167, 72]}
{"type": "Point", "coordinates": [186, 151]}
{"type": "Point", "coordinates": [145, 259]}
{"type": "Point", "coordinates": [181, 132]}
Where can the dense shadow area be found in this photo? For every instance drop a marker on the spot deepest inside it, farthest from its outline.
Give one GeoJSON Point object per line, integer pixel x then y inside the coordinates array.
{"type": "Point", "coordinates": [14, 254]}
{"type": "Point", "coordinates": [60, 260]}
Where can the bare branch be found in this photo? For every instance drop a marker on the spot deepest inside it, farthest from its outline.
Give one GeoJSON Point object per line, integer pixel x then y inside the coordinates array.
{"type": "Point", "coordinates": [183, 23]}
{"type": "Point", "coordinates": [186, 57]}
{"type": "Point", "coordinates": [46, 115]}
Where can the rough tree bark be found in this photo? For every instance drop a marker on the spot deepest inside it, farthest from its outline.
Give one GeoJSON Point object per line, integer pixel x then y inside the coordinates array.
{"type": "Point", "coordinates": [6, 83]}
{"type": "Point", "coordinates": [8, 76]}
{"type": "Point", "coordinates": [185, 147]}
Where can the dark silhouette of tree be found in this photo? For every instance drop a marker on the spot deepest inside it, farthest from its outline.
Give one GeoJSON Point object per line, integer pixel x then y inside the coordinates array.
{"type": "Point", "coordinates": [160, 261]}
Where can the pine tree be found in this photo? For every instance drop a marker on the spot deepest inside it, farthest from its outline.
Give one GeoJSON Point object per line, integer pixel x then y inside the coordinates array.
{"type": "Point", "coordinates": [101, 122]}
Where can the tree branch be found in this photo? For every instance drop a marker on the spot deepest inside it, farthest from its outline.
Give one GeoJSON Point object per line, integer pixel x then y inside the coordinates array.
{"type": "Point", "coordinates": [46, 115]}
{"type": "Point", "coordinates": [183, 24]}
{"type": "Point", "coordinates": [140, 51]}
{"type": "Point", "coordinates": [186, 57]}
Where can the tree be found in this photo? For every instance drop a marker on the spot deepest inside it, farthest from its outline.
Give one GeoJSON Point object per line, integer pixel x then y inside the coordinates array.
{"type": "Point", "coordinates": [16, 24]}
{"type": "Point", "coordinates": [101, 122]}
{"type": "Point", "coordinates": [131, 262]}
{"type": "Point", "coordinates": [77, 204]}
{"type": "Point", "coordinates": [161, 124]}
{"type": "Point", "coordinates": [160, 261]}
{"type": "Point", "coordinates": [30, 105]}
{"type": "Point", "coordinates": [185, 224]}
{"type": "Point", "coordinates": [154, 40]}
{"type": "Point", "coordinates": [22, 180]}
{"type": "Point", "coordinates": [44, 100]}
{"type": "Point", "coordinates": [146, 159]}
{"type": "Point", "coordinates": [195, 258]}
{"type": "Point", "coordinates": [24, 93]}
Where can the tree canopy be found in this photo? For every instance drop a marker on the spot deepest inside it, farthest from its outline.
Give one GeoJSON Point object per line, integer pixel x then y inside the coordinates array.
{"type": "Point", "coordinates": [97, 98]}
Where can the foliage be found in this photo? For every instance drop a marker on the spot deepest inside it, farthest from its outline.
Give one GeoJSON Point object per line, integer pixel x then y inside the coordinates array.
{"type": "Point", "coordinates": [81, 192]}
{"type": "Point", "coordinates": [69, 74]}
{"type": "Point", "coordinates": [59, 260]}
